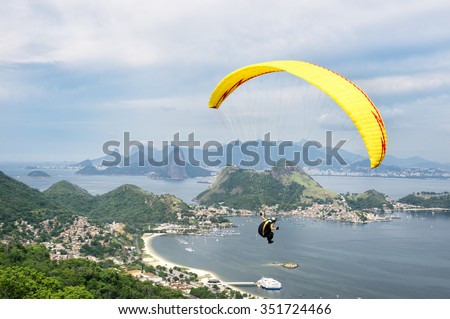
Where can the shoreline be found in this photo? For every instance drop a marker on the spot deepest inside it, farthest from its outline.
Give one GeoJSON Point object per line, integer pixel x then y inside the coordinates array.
{"type": "Point", "coordinates": [423, 209]}
{"type": "Point", "coordinates": [152, 258]}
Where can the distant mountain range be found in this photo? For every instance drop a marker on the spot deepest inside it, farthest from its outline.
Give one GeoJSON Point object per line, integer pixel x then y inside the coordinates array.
{"type": "Point", "coordinates": [168, 171]}
{"type": "Point", "coordinates": [415, 162]}
{"type": "Point", "coordinates": [354, 163]}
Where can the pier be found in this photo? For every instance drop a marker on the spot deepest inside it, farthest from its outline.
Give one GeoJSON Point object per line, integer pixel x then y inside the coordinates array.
{"type": "Point", "coordinates": [241, 283]}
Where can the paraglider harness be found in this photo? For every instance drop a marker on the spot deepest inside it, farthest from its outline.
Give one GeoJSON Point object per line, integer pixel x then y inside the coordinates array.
{"type": "Point", "coordinates": [266, 227]}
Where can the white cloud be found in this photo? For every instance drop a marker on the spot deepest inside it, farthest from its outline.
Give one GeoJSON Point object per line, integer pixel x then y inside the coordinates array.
{"type": "Point", "coordinates": [407, 84]}
{"type": "Point", "coordinates": [139, 33]}
{"type": "Point", "coordinates": [130, 63]}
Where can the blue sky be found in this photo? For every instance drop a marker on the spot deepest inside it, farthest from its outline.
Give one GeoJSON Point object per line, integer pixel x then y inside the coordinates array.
{"type": "Point", "coordinates": [74, 74]}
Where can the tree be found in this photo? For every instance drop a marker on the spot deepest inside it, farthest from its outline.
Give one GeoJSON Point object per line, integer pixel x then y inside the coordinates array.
{"type": "Point", "coordinates": [74, 292]}
{"type": "Point", "coordinates": [25, 283]}
{"type": "Point", "coordinates": [203, 293]}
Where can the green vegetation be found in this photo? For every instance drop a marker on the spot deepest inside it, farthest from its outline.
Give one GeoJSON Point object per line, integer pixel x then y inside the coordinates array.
{"type": "Point", "coordinates": [215, 293]}
{"type": "Point", "coordinates": [27, 272]}
{"type": "Point", "coordinates": [27, 283]}
{"type": "Point", "coordinates": [367, 200]}
{"type": "Point", "coordinates": [131, 205]}
{"type": "Point", "coordinates": [19, 202]}
{"type": "Point", "coordinates": [53, 217]}
{"type": "Point", "coordinates": [18, 198]}
{"type": "Point", "coordinates": [128, 204]}
{"type": "Point", "coordinates": [428, 200]}
{"type": "Point", "coordinates": [38, 174]}
{"type": "Point", "coordinates": [287, 187]}
{"type": "Point", "coordinates": [71, 196]}
{"type": "Point", "coordinates": [246, 189]}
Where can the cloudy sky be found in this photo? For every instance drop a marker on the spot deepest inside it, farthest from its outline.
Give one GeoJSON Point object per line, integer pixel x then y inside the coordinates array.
{"type": "Point", "coordinates": [75, 74]}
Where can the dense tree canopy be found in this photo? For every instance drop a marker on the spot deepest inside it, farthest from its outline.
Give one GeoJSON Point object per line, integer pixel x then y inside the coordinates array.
{"type": "Point", "coordinates": [27, 272]}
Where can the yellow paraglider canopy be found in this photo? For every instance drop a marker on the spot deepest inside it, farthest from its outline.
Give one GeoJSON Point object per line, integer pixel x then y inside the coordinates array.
{"type": "Point", "coordinates": [346, 94]}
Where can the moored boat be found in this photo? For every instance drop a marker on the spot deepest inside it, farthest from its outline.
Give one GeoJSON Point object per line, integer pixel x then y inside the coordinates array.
{"type": "Point", "coordinates": [269, 284]}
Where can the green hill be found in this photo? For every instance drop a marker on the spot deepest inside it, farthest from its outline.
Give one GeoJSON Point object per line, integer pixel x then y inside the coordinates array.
{"type": "Point", "coordinates": [38, 174]}
{"type": "Point", "coordinates": [287, 187]}
{"type": "Point", "coordinates": [134, 206]}
{"type": "Point", "coordinates": [367, 200]}
{"type": "Point", "coordinates": [71, 196]}
{"type": "Point", "coordinates": [18, 200]}
{"type": "Point", "coordinates": [428, 200]}
{"type": "Point", "coordinates": [128, 204]}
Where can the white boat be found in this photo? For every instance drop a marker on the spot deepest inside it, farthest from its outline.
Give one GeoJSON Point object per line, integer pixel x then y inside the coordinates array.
{"type": "Point", "coordinates": [269, 284]}
{"type": "Point", "coordinates": [189, 249]}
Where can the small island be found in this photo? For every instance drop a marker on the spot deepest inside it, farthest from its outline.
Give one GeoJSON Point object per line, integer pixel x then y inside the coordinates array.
{"type": "Point", "coordinates": [38, 174]}
{"type": "Point", "coordinates": [286, 265]}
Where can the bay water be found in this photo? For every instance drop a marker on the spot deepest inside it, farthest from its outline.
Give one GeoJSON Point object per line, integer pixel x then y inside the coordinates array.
{"type": "Point", "coordinates": [404, 258]}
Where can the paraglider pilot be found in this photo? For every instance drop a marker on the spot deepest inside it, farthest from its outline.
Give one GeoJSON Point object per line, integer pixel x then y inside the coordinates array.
{"type": "Point", "coordinates": [266, 227]}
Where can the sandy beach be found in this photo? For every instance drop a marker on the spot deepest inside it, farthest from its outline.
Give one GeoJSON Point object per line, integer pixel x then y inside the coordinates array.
{"type": "Point", "coordinates": [152, 258]}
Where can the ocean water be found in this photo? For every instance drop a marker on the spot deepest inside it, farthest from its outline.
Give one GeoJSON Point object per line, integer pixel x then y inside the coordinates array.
{"type": "Point", "coordinates": [404, 258]}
